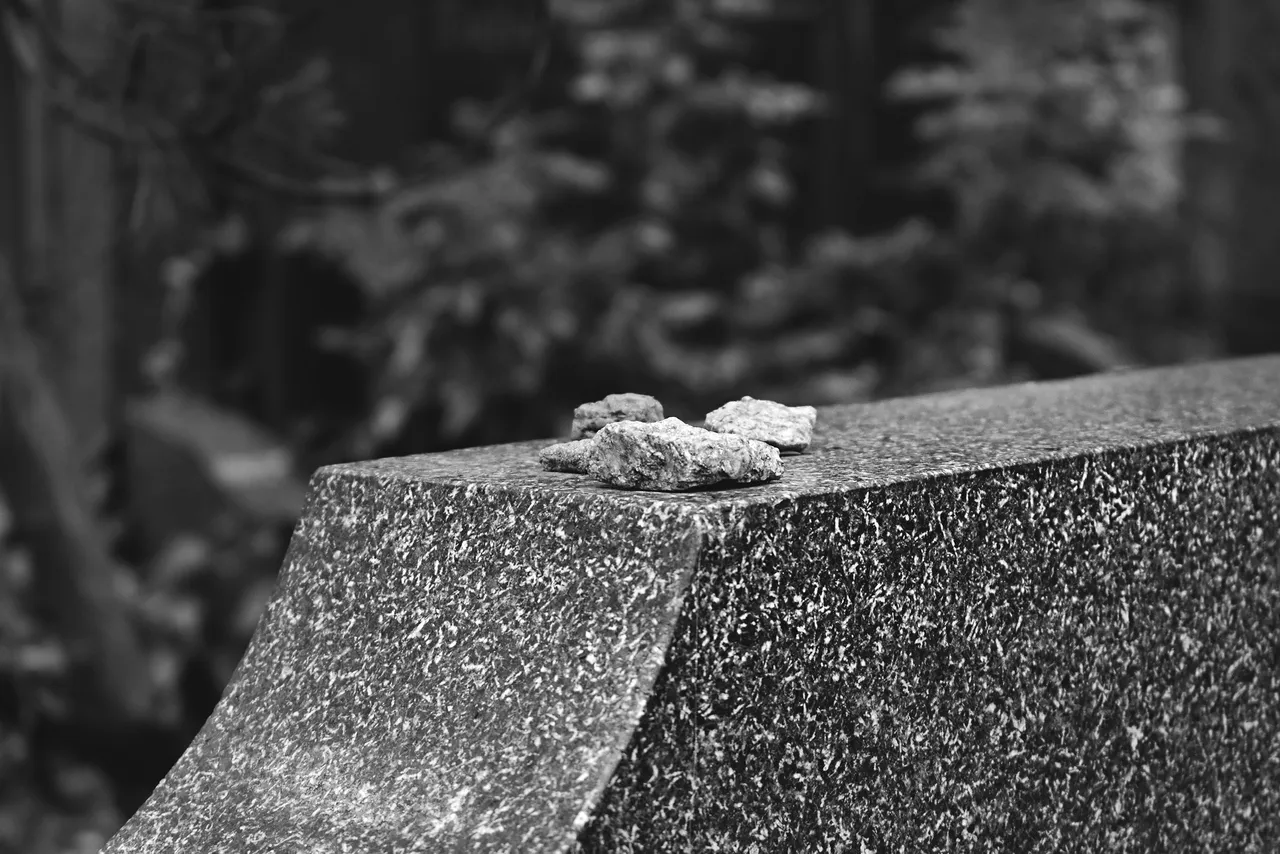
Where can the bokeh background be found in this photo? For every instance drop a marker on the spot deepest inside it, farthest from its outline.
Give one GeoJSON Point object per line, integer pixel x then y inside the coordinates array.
{"type": "Point", "coordinates": [240, 239]}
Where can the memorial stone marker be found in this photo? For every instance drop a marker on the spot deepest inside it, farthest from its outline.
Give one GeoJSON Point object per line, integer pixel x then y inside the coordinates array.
{"type": "Point", "coordinates": [1035, 618]}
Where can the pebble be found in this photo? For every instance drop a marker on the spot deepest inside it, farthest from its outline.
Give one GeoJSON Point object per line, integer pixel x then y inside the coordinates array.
{"type": "Point", "coordinates": [787, 428]}
{"type": "Point", "coordinates": [590, 417]}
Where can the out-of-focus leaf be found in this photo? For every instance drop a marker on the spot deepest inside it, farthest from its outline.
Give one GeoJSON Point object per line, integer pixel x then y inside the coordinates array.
{"type": "Point", "coordinates": [179, 561]}
{"type": "Point", "coordinates": [462, 402]}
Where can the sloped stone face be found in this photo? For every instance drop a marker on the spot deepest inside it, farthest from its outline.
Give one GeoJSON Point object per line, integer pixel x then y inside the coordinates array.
{"type": "Point", "coordinates": [671, 456]}
{"type": "Point", "coordinates": [787, 428]}
{"type": "Point", "coordinates": [590, 417]}
{"type": "Point", "coordinates": [443, 668]}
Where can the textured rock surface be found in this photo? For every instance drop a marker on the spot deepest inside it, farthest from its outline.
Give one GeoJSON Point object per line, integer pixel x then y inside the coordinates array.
{"type": "Point", "coordinates": [1036, 618]}
{"type": "Point", "coordinates": [787, 428]}
{"type": "Point", "coordinates": [671, 456]}
{"type": "Point", "coordinates": [571, 457]}
{"type": "Point", "coordinates": [590, 417]}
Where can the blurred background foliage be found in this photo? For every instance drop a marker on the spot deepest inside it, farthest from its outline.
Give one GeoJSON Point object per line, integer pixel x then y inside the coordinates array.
{"type": "Point", "coordinates": [318, 256]}
{"type": "Point", "coordinates": [638, 225]}
{"type": "Point", "coordinates": [1057, 137]}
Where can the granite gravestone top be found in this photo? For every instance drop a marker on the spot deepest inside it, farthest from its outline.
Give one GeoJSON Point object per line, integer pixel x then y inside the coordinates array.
{"type": "Point", "coordinates": [1040, 617]}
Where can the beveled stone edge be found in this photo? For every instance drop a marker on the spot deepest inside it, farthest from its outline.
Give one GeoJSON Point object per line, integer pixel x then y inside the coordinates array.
{"type": "Point", "coordinates": [690, 553]}
{"type": "Point", "coordinates": [734, 498]}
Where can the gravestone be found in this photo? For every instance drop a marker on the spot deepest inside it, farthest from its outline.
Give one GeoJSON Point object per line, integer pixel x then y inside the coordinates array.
{"type": "Point", "coordinates": [1041, 617]}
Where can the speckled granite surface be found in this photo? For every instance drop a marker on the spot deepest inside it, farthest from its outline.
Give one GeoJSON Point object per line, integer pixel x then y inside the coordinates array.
{"type": "Point", "coordinates": [1037, 618]}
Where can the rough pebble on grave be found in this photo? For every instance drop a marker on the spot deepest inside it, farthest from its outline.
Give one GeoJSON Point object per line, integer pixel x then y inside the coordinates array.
{"type": "Point", "coordinates": [590, 417]}
{"type": "Point", "coordinates": [671, 456]}
{"type": "Point", "coordinates": [570, 457]}
{"type": "Point", "coordinates": [788, 428]}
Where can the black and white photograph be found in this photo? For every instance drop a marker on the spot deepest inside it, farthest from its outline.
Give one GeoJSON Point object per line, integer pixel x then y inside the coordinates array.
{"type": "Point", "coordinates": [586, 426]}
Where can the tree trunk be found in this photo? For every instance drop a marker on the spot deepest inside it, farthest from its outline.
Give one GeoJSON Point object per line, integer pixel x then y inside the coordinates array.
{"type": "Point", "coordinates": [41, 476]}
{"type": "Point", "coordinates": [11, 219]}
{"type": "Point", "coordinates": [81, 232]}
{"type": "Point", "coordinates": [55, 362]}
{"type": "Point", "coordinates": [1204, 46]}
{"type": "Point", "coordinates": [846, 74]}
{"type": "Point", "coordinates": [1230, 70]}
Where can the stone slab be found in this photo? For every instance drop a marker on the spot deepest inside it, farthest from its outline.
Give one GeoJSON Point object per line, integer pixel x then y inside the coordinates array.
{"type": "Point", "coordinates": [1041, 617]}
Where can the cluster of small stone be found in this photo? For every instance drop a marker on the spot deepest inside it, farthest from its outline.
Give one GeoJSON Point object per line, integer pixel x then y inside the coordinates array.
{"type": "Point", "coordinates": [624, 441]}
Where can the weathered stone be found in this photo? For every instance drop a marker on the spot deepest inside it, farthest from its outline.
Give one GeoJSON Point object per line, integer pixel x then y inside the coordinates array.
{"type": "Point", "coordinates": [590, 417]}
{"type": "Point", "coordinates": [571, 457]}
{"type": "Point", "coordinates": [787, 428]}
{"type": "Point", "coordinates": [671, 456]}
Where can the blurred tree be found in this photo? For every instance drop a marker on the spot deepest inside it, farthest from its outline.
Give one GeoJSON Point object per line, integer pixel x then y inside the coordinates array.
{"type": "Point", "coordinates": [630, 231]}
{"type": "Point", "coordinates": [46, 490]}
{"type": "Point", "coordinates": [58, 371]}
{"type": "Point", "coordinates": [73, 266]}
{"type": "Point", "coordinates": [847, 58]}
{"type": "Point", "coordinates": [1057, 344]}
{"type": "Point", "coordinates": [1205, 52]}
{"type": "Point", "coordinates": [11, 218]}
{"type": "Point", "coordinates": [195, 102]}
{"type": "Point", "coordinates": [1056, 129]}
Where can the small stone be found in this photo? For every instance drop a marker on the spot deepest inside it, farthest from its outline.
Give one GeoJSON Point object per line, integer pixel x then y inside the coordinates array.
{"type": "Point", "coordinates": [671, 456]}
{"type": "Point", "coordinates": [569, 457]}
{"type": "Point", "coordinates": [590, 417]}
{"type": "Point", "coordinates": [787, 428]}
